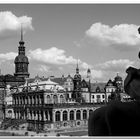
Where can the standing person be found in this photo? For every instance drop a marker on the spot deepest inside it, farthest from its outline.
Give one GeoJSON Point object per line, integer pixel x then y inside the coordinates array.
{"type": "Point", "coordinates": [119, 118]}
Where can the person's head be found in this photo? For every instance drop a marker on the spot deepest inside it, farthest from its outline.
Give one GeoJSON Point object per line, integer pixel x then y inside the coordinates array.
{"type": "Point", "coordinates": [132, 83]}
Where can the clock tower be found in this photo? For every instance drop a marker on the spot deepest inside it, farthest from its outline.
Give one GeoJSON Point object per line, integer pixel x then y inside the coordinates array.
{"type": "Point", "coordinates": [21, 61]}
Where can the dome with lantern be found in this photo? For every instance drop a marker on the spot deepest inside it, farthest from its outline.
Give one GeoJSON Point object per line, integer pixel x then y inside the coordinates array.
{"type": "Point", "coordinates": [21, 58]}
{"type": "Point", "coordinates": [118, 78]}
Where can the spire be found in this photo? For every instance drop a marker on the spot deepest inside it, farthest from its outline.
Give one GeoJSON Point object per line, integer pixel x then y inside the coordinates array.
{"type": "Point", "coordinates": [21, 42]}
{"type": "Point", "coordinates": [21, 33]}
{"type": "Point", "coordinates": [88, 73]}
{"type": "Point", "coordinates": [77, 69]}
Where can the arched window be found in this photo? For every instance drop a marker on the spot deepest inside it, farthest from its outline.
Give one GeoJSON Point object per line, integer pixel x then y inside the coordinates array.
{"type": "Point", "coordinates": [10, 113]}
{"type": "Point", "coordinates": [57, 116]}
{"type": "Point", "coordinates": [84, 114]}
{"type": "Point", "coordinates": [65, 115]}
{"type": "Point", "coordinates": [78, 115]}
{"type": "Point", "coordinates": [48, 99]}
{"type": "Point", "coordinates": [61, 99]}
{"type": "Point", "coordinates": [55, 99]}
{"type": "Point", "coordinates": [71, 115]}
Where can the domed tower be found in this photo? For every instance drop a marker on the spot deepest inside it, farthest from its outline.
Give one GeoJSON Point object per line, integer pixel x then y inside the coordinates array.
{"type": "Point", "coordinates": [21, 61]}
{"type": "Point", "coordinates": [118, 82]}
{"type": "Point", "coordinates": [89, 78]}
{"type": "Point", "coordinates": [77, 84]}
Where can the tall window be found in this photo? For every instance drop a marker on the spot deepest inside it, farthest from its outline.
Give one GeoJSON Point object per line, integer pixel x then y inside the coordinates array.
{"type": "Point", "coordinates": [65, 115]}
{"type": "Point", "coordinates": [57, 116]}
{"type": "Point", "coordinates": [84, 114]}
{"type": "Point", "coordinates": [61, 99]}
{"type": "Point", "coordinates": [78, 115]}
{"type": "Point", "coordinates": [48, 99]}
{"type": "Point", "coordinates": [71, 115]}
{"type": "Point", "coordinates": [98, 98]}
{"type": "Point", "coordinates": [55, 98]}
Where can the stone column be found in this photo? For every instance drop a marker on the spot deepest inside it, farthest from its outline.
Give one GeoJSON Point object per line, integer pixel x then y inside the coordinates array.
{"type": "Point", "coordinates": [87, 113]}
{"type": "Point", "coordinates": [33, 115]}
{"type": "Point", "coordinates": [48, 115]}
{"type": "Point", "coordinates": [40, 100]}
{"type": "Point", "coordinates": [81, 114]}
{"type": "Point", "coordinates": [36, 100]}
{"type": "Point", "coordinates": [68, 115]}
{"type": "Point", "coordinates": [74, 114]}
{"type": "Point", "coordinates": [44, 115]}
{"type": "Point", "coordinates": [61, 115]}
{"type": "Point", "coordinates": [53, 116]}
{"type": "Point", "coordinates": [40, 116]}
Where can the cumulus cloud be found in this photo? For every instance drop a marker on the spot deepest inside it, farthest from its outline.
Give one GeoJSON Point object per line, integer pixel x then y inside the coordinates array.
{"type": "Point", "coordinates": [123, 34]}
{"type": "Point", "coordinates": [55, 56]}
{"type": "Point", "coordinates": [10, 22]}
{"type": "Point", "coordinates": [115, 65]}
{"type": "Point", "coordinates": [44, 68]}
{"type": "Point", "coordinates": [52, 56]}
{"type": "Point", "coordinates": [8, 56]}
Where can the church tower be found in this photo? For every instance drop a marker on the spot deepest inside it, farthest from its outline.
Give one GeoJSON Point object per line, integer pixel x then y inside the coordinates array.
{"type": "Point", "coordinates": [77, 83]}
{"type": "Point", "coordinates": [21, 61]}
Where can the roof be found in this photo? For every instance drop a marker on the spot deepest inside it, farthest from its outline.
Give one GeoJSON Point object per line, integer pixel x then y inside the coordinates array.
{"type": "Point", "coordinates": [10, 80]}
{"type": "Point", "coordinates": [95, 85]}
{"type": "Point", "coordinates": [61, 80]}
{"type": "Point", "coordinates": [58, 80]}
{"type": "Point", "coordinates": [42, 85]}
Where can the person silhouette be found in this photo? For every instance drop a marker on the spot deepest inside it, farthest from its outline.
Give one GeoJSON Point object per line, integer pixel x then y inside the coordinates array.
{"type": "Point", "coordinates": [119, 118]}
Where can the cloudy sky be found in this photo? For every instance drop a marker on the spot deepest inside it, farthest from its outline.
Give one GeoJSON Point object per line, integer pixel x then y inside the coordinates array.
{"type": "Point", "coordinates": [101, 37]}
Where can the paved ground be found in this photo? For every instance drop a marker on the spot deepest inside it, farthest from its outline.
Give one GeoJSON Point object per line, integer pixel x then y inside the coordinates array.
{"type": "Point", "coordinates": [76, 133]}
{"type": "Point", "coordinates": [51, 134]}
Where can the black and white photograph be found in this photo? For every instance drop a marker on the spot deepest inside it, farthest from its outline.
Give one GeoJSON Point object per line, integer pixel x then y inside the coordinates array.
{"type": "Point", "coordinates": [69, 70]}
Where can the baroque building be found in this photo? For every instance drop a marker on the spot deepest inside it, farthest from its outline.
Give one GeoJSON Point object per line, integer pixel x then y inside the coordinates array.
{"type": "Point", "coordinates": [45, 106]}
{"type": "Point", "coordinates": [53, 103]}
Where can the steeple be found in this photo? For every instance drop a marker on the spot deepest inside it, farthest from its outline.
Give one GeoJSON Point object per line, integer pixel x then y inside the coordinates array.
{"type": "Point", "coordinates": [21, 61]}
{"type": "Point", "coordinates": [21, 48]}
{"type": "Point", "coordinates": [77, 68]}
{"type": "Point", "coordinates": [88, 73]}
{"type": "Point", "coordinates": [21, 42]}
